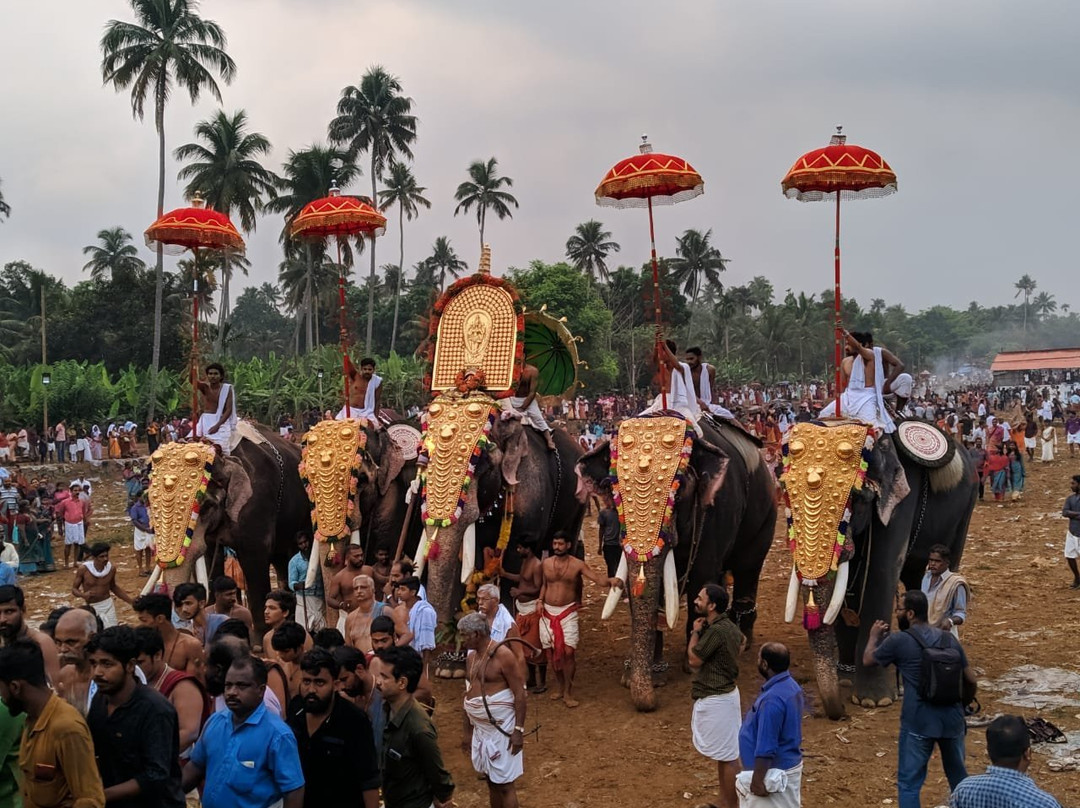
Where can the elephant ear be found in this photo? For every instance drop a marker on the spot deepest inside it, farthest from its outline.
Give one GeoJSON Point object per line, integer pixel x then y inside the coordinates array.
{"type": "Point", "coordinates": [593, 468]}
{"type": "Point", "coordinates": [390, 460]}
{"type": "Point", "coordinates": [233, 477]}
{"type": "Point", "coordinates": [517, 446]}
{"type": "Point", "coordinates": [711, 465]}
{"type": "Point", "coordinates": [886, 476]}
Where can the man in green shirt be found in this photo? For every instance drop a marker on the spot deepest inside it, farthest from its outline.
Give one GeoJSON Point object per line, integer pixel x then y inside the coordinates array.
{"type": "Point", "coordinates": [713, 651]}
{"type": "Point", "coordinates": [10, 729]}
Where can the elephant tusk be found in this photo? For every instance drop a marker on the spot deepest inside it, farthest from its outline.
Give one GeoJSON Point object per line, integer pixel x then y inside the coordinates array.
{"type": "Point", "coordinates": [671, 591]}
{"type": "Point", "coordinates": [200, 572]}
{"type": "Point", "coordinates": [468, 553]}
{"type": "Point", "coordinates": [312, 567]}
{"type": "Point", "coordinates": [421, 551]}
{"type": "Point", "coordinates": [355, 538]}
{"type": "Point", "coordinates": [839, 591]}
{"type": "Point", "coordinates": [615, 592]}
{"type": "Point", "coordinates": [792, 596]}
{"type": "Point", "coordinates": [152, 580]}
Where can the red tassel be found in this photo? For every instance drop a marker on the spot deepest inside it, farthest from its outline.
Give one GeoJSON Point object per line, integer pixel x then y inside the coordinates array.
{"type": "Point", "coordinates": [433, 551]}
{"type": "Point", "coordinates": [639, 583]}
{"type": "Point", "coordinates": [811, 615]}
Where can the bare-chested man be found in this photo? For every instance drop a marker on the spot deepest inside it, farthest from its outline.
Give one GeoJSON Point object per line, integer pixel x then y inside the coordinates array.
{"type": "Point", "coordinates": [340, 595]}
{"type": "Point", "coordinates": [226, 597]}
{"type": "Point", "coordinates": [563, 575]}
{"type": "Point", "coordinates": [280, 608]}
{"type": "Point", "coordinates": [526, 594]}
{"type": "Point", "coordinates": [183, 652]}
{"type": "Point", "coordinates": [95, 583]}
{"type": "Point", "coordinates": [703, 376]}
{"type": "Point", "coordinates": [494, 730]}
{"type": "Point", "coordinates": [73, 631]}
{"type": "Point", "coordinates": [217, 416]}
{"type": "Point", "coordinates": [358, 622]}
{"type": "Point", "coordinates": [365, 392]}
{"type": "Point", "coordinates": [380, 570]}
{"type": "Point", "coordinates": [524, 404]}
{"type": "Point", "coordinates": [501, 625]}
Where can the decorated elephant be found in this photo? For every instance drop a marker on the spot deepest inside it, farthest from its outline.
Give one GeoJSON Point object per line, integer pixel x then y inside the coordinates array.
{"type": "Point", "coordinates": [355, 478]}
{"type": "Point", "coordinates": [862, 517]}
{"type": "Point", "coordinates": [690, 509]}
{"type": "Point", "coordinates": [487, 479]}
{"type": "Point", "coordinates": [250, 500]}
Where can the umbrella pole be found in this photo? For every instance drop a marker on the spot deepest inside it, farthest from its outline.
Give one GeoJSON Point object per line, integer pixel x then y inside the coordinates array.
{"type": "Point", "coordinates": [837, 338]}
{"type": "Point", "coordinates": [341, 324]}
{"type": "Point", "coordinates": [195, 347]}
{"type": "Point", "coordinates": [656, 310]}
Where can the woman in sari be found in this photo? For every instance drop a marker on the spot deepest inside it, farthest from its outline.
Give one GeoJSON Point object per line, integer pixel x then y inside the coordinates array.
{"type": "Point", "coordinates": [114, 442]}
{"type": "Point", "coordinates": [1017, 474]}
{"type": "Point", "coordinates": [1049, 442]}
{"type": "Point", "coordinates": [997, 470]}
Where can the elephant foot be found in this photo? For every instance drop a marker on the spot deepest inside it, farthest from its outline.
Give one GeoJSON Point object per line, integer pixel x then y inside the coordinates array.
{"type": "Point", "coordinates": [885, 702]}
{"type": "Point", "coordinates": [450, 666]}
{"type": "Point", "coordinates": [868, 703]}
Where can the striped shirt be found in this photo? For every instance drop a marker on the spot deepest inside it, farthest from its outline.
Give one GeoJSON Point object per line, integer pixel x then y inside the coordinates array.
{"type": "Point", "coordinates": [1000, 788]}
{"type": "Point", "coordinates": [718, 649]}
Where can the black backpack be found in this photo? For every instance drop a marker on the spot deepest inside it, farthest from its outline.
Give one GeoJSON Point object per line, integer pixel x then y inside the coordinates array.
{"type": "Point", "coordinates": [941, 673]}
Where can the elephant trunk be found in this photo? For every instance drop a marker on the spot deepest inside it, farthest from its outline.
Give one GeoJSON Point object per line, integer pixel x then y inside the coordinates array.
{"type": "Point", "coordinates": [646, 582]}
{"type": "Point", "coordinates": [823, 645]}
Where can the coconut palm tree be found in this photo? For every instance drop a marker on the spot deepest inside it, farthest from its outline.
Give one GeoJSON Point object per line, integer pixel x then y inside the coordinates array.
{"type": "Point", "coordinates": [402, 190]}
{"type": "Point", "coordinates": [228, 174]}
{"type": "Point", "coordinates": [482, 191]}
{"type": "Point", "coordinates": [1044, 304]}
{"type": "Point", "coordinates": [1025, 286]}
{"type": "Point", "coordinates": [698, 263]}
{"type": "Point", "coordinates": [5, 208]}
{"type": "Point", "coordinates": [589, 247]}
{"type": "Point", "coordinates": [444, 261]}
{"type": "Point", "coordinates": [374, 118]}
{"type": "Point", "coordinates": [306, 176]}
{"type": "Point", "coordinates": [114, 256]}
{"type": "Point", "coordinates": [169, 44]}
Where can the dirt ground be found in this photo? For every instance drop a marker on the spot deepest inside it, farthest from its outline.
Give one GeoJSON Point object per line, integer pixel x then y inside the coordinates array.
{"type": "Point", "coordinates": [605, 754]}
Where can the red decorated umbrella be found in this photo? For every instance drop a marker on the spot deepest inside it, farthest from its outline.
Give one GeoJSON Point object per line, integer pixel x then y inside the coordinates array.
{"type": "Point", "coordinates": [641, 181]}
{"type": "Point", "coordinates": [339, 216]}
{"type": "Point", "coordinates": [838, 171]}
{"type": "Point", "coordinates": [194, 228]}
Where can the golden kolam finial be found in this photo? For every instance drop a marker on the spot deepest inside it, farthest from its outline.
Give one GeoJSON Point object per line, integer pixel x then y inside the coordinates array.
{"type": "Point", "coordinates": [485, 260]}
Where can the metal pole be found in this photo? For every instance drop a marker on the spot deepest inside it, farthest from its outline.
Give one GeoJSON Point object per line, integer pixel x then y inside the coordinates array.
{"type": "Point", "coordinates": [44, 363]}
{"type": "Point", "coordinates": [837, 339]}
{"type": "Point", "coordinates": [656, 310]}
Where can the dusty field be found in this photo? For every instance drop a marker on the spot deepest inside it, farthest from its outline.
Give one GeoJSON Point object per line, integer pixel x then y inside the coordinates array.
{"type": "Point", "coordinates": [605, 754]}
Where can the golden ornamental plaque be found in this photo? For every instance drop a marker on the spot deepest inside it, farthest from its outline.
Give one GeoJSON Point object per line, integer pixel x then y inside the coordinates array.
{"type": "Point", "coordinates": [179, 474]}
{"type": "Point", "coordinates": [331, 460]}
{"type": "Point", "coordinates": [456, 430]}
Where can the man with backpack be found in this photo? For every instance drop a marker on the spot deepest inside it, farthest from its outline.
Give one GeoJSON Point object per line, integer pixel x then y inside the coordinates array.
{"type": "Point", "coordinates": [937, 684]}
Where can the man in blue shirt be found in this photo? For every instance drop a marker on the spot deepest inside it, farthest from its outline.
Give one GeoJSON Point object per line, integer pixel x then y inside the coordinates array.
{"type": "Point", "coordinates": [247, 755]}
{"type": "Point", "coordinates": [309, 600]}
{"type": "Point", "coordinates": [1005, 785]}
{"type": "Point", "coordinates": [922, 725]}
{"type": "Point", "coordinates": [770, 738]}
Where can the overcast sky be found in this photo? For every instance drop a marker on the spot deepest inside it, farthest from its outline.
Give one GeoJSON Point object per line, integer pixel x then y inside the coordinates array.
{"type": "Point", "coordinates": [974, 103]}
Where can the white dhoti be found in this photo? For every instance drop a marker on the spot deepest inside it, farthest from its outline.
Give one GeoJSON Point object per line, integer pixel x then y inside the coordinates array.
{"type": "Point", "coordinates": [358, 412]}
{"type": "Point", "coordinates": [106, 610]}
{"type": "Point", "coordinates": [902, 385]}
{"type": "Point", "coordinates": [531, 414]}
{"type": "Point", "coordinates": [310, 610]}
{"type": "Point", "coordinates": [571, 633]}
{"type": "Point", "coordinates": [715, 726]}
{"type": "Point", "coordinates": [679, 398]}
{"type": "Point", "coordinates": [1029, 443]}
{"type": "Point", "coordinates": [861, 402]}
{"type": "Point", "coordinates": [721, 411]}
{"type": "Point", "coordinates": [784, 787]}
{"type": "Point", "coordinates": [491, 754]}
{"type": "Point", "coordinates": [143, 540]}
{"type": "Point", "coordinates": [74, 533]}
{"type": "Point", "coordinates": [223, 436]}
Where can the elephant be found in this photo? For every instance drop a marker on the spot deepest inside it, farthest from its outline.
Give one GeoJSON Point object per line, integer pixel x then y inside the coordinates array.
{"type": "Point", "coordinates": [513, 458]}
{"type": "Point", "coordinates": [356, 480]}
{"type": "Point", "coordinates": [250, 500]}
{"type": "Point", "coordinates": [722, 519]}
{"type": "Point", "coordinates": [901, 510]}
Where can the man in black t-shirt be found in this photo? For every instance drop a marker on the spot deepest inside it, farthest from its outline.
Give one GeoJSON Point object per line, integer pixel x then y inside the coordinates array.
{"type": "Point", "coordinates": [610, 544]}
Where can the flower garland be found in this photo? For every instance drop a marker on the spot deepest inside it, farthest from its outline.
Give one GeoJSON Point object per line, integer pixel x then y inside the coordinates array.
{"type": "Point", "coordinates": [482, 444]}
{"type": "Point", "coordinates": [354, 481]}
{"type": "Point", "coordinates": [845, 520]}
{"type": "Point", "coordinates": [189, 532]}
{"type": "Point", "coordinates": [519, 339]}
{"type": "Point", "coordinates": [467, 381]}
{"type": "Point", "coordinates": [664, 534]}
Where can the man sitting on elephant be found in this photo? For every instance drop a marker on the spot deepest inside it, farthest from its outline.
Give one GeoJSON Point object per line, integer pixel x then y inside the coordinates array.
{"type": "Point", "coordinates": [680, 396]}
{"type": "Point", "coordinates": [218, 404]}
{"type": "Point", "coordinates": [525, 406]}
{"type": "Point", "coordinates": [365, 392]}
{"type": "Point", "coordinates": [864, 370]}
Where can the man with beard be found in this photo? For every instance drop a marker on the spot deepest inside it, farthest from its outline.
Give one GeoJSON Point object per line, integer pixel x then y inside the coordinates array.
{"type": "Point", "coordinates": [182, 651]}
{"type": "Point", "coordinates": [226, 595]}
{"type": "Point", "coordinates": [365, 392]}
{"type": "Point", "coordinates": [501, 625]}
{"type": "Point", "coordinates": [190, 615]}
{"type": "Point", "coordinates": [185, 693]}
{"type": "Point", "coordinates": [95, 583]}
{"type": "Point", "coordinates": [563, 574]}
{"type": "Point", "coordinates": [279, 609]}
{"type": "Point", "coordinates": [221, 655]}
{"type": "Point", "coordinates": [922, 724]}
{"type": "Point", "coordinates": [526, 595]}
{"type": "Point", "coordinates": [413, 772]}
{"type": "Point", "coordinates": [72, 632]}
{"type": "Point", "coordinates": [353, 681]}
{"type": "Point", "coordinates": [494, 711]}
{"type": "Point", "coordinates": [333, 736]}
{"type": "Point", "coordinates": [13, 626]}
{"type": "Point", "coordinates": [340, 594]}
{"type": "Point", "coordinates": [56, 753]}
{"type": "Point", "coordinates": [770, 738]}
{"type": "Point", "coordinates": [246, 754]}
{"type": "Point", "coordinates": [134, 728]}
{"type": "Point", "coordinates": [713, 653]}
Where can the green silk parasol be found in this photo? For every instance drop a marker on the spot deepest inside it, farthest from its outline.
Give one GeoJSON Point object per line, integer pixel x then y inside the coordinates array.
{"type": "Point", "coordinates": [552, 350]}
